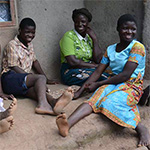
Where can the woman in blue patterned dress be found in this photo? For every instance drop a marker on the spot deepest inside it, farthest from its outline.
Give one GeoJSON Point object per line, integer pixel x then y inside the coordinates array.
{"type": "Point", "coordinates": [117, 96]}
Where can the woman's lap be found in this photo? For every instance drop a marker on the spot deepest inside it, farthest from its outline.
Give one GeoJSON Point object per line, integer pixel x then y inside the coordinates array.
{"type": "Point", "coordinates": [78, 76]}
{"type": "Point", "coordinates": [118, 103]}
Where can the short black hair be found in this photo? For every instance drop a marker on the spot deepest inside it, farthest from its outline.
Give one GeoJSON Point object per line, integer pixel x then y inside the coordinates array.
{"type": "Point", "coordinates": [124, 18]}
{"type": "Point", "coordinates": [82, 11]}
{"type": "Point", "coordinates": [27, 22]}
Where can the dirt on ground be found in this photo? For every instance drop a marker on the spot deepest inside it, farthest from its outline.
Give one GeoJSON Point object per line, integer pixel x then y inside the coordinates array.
{"type": "Point", "coordinates": [39, 132]}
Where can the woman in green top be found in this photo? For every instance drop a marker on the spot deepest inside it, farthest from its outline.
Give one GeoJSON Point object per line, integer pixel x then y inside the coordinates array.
{"type": "Point", "coordinates": [80, 52]}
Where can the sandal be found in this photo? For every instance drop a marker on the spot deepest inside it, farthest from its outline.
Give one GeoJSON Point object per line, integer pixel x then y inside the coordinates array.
{"type": "Point", "coordinates": [145, 99]}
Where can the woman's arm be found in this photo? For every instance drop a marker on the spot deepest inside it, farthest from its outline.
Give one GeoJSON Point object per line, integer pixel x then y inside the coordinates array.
{"type": "Point", "coordinates": [121, 77]}
{"type": "Point", "coordinates": [93, 78]}
{"type": "Point", "coordinates": [97, 52]}
{"type": "Point", "coordinates": [78, 63]}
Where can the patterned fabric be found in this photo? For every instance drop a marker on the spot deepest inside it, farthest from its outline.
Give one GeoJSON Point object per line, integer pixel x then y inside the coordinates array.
{"type": "Point", "coordinates": [77, 76]}
{"type": "Point", "coordinates": [119, 102]}
{"type": "Point", "coordinates": [73, 43]}
{"type": "Point", "coordinates": [17, 54]}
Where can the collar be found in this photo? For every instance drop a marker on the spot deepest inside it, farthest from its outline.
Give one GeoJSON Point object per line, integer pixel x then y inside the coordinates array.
{"type": "Point", "coordinates": [21, 44]}
{"type": "Point", "coordinates": [80, 37]}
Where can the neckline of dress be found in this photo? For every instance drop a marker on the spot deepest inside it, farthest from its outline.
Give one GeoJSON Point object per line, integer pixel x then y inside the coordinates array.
{"type": "Point", "coordinates": [125, 48]}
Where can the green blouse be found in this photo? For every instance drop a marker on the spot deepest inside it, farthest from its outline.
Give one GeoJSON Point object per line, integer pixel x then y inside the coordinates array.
{"type": "Point", "coordinates": [72, 43]}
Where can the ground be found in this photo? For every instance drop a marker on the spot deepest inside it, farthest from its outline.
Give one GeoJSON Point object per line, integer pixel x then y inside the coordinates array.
{"type": "Point", "coordinates": [39, 132]}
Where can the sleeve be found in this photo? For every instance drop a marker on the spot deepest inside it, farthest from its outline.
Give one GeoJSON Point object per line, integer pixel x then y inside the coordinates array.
{"type": "Point", "coordinates": [34, 58]}
{"type": "Point", "coordinates": [12, 57]}
{"type": "Point", "coordinates": [105, 59]}
{"type": "Point", "coordinates": [137, 53]}
{"type": "Point", "coordinates": [67, 45]}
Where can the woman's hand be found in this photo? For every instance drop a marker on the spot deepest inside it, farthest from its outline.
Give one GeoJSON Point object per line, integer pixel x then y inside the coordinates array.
{"type": "Point", "coordinates": [79, 92]}
{"type": "Point", "coordinates": [91, 86]}
{"type": "Point", "coordinates": [97, 51]}
{"type": "Point", "coordinates": [91, 33]}
{"type": "Point", "coordinates": [95, 65]}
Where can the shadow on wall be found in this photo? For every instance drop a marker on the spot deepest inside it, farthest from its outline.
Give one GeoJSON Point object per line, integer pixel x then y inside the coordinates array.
{"type": "Point", "coordinates": [106, 13]}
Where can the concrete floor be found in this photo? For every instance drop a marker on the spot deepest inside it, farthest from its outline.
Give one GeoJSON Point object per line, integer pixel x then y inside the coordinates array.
{"type": "Point", "coordinates": [39, 132]}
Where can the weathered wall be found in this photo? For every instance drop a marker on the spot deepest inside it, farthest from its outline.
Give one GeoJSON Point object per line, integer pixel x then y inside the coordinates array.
{"type": "Point", "coordinates": [105, 16]}
{"type": "Point", "coordinates": [53, 19]}
{"type": "Point", "coordinates": [146, 36]}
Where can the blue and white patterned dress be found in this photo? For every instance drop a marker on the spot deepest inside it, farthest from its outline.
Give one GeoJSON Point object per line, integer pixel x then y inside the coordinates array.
{"type": "Point", "coordinates": [119, 102]}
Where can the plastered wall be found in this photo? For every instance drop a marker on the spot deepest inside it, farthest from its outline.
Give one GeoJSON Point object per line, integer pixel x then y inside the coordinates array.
{"type": "Point", "coordinates": [53, 19]}
{"type": "Point", "coordinates": [146, 36]}
{"type": "Point", "coordinates": [105, 16]}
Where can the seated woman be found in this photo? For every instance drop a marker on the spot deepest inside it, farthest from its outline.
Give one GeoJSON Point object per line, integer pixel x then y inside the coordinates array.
{"type": "Point", "coordinates": [80, 52]}
{"type": "Point", "coordinates": [117, 96]}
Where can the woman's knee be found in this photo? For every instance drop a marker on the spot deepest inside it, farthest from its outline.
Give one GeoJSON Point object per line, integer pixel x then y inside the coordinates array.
{"type": "Point", "coordinates": [86, 107]}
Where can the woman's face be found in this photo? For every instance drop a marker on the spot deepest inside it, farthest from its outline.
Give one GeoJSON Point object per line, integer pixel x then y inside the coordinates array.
{"type": "Point", "coordinates": [80, 24]}
{"type": "Point", "coordinates": [127, 31]}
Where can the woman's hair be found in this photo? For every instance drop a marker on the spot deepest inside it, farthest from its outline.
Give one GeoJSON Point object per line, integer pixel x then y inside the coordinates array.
{"type": "Point", "coordinates": [124, 18]}
{"type": "Point", "coordinates": [27, 22]}
{"type": "Point", "coordinates": [82, 11]}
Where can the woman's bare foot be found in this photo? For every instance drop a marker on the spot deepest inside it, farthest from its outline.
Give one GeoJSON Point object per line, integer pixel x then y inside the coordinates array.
{"type": "Point", "coordinates": [44, 108]}
{"type": "Point", "coordinates": [6, 124]}
{"type": "Point", "coordinates": [143, 135]}
{"type": "Point", "coordinates": [64, 100]}
{"type": "Point", "coordinates": [10, 110]}
{"type": "Point", "coordinates": [62, 125]}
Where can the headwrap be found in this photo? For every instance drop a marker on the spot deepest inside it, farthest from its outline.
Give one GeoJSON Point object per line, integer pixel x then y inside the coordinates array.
{"type": "Point", "coordinates": [83, 11]}
{"type": "Point", "coordinates": [124, 18]}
